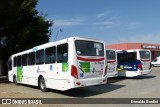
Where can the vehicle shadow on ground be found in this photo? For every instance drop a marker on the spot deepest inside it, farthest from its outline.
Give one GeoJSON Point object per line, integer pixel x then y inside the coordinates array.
{"type": "Point", "coordinates": [118, 79]}
{"type": "Point", "coordinates": [115, 79]}
{"type": "Point", "coordinates": [83, 91]}
{"type": "Point", "coordinates": [143, 77]}
{"type": "Point", "coordinates": [137, 77]}
{"type": "Point", "coordinates": [89, 91]}
{"type": "Point", "coordinates": [4, 81]}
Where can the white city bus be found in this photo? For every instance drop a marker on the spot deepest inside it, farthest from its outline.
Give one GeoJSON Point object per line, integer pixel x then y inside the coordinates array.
{"type": "Point", "coordinates": [62, 65]}
{"type": "Point", "coordinates": [111, 63]}
{"type": "Point", "coordinates": [134, 62]}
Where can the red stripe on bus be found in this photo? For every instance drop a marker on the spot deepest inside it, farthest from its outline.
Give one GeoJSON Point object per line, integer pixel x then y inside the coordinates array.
{"type": "Point", "coordinates": [111, 61]}
{"type": "Point", "coordinates": [145, 60]}
{"type": "Point", "coordinates": [89, 59]}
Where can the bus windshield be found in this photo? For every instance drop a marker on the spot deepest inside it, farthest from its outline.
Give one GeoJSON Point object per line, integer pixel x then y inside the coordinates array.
{"type": "Point", "coordinates": [110, 55]}
{"type": "Point", "coordinates": [127, 57]}
{"type": "Point", "coordinates": [144, 54]}
{"type": "Point", "coordinates": [89, 48]}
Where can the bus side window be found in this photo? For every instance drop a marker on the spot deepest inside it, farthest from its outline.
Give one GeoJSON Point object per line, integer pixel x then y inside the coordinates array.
{"type": "Point", "coordinates": [40, 57]}
{"type": "Point", "coordinates": [24, 60]}
{"type": "Point", "coordinates": [9, 65]}
{"type": "Point", "coordinates": [31, 58]}
{"type": "Point", "coordinates": [62, 53]}
{"type": "Point", "coordinates": [19, 62]}
{"type": "Point", "coordinates": [50, 55]}
{"type": "Point", "coordinates": [15, 62]}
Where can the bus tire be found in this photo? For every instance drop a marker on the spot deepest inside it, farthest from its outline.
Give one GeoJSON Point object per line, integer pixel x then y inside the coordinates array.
{"type": "Point", "coordinates": [15, 80]}
{"type": "Point", "coordinates": [42, 85]}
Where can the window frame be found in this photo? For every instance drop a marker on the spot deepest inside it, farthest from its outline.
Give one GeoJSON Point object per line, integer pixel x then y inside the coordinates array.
{"type": "Point", "coordinates": [141, 52]}
{"type": "Point", "coordinates": [55, 53]}
{"type": "Point", "coordinates": [26, 60]}
{"type": "Point", "coordinates": [101, 53]}
{"type": "Point", "coordinates": [110, 57]}
{"type": "Point", "coordinates": [30, 62]}
{"type": "Point", "coordinates": [19, 63]}
{"type": "Point", "coordinates": [9, 63]}
{"type": "Point", "coordinates": [15, 61]}
{"type": "Point", "coordinates": [39, 63]}
{"type": "Point", "coordinates": [62, 60]}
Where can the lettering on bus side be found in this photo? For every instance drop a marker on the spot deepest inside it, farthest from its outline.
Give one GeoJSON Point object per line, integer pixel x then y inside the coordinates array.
{"type": "Point", "coordinates": [51, 67]}
{"type": "Point", "coordinates": [81, 74]}
{"type": "Point", "coordinates": [120, 68]}
{"type": "Point", "coordinates": [99, 63]}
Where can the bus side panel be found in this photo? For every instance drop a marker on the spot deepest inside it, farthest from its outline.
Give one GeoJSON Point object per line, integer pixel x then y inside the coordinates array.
{"type": "Point", "coordinates": [27, 75]}
{"type": "Point", "coordinates": [72, 59]}
{"type": "Point", "coordinates": [146, 65]}
{"type": "Point", "coordinates": [10, 75]}
{"type": "Point", "coordinates": [111, 68]}
{"type": "Point", "coordinates": [58, 84]}
{"type": "Point", "coordinates": [58, 75]}
{"type": "Point", "coordinates": [57, 78]}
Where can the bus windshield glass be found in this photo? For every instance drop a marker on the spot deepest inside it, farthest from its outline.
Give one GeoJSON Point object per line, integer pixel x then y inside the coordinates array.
{"type": "Point", "coordinates": [110, 55]}
{"type": "Point", "coordinates": [144, 54]}
{"type": "Point", "coordinates": [89, 48]}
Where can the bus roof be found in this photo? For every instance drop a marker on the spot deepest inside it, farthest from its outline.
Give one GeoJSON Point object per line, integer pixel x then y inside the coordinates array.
{"type": "Point", "coordinates": [131, 50]}
{"type": "Point", "coordinates": [54, 43]}
{"type": "Point", "coordinates": [122, 51]}
{"type": "Point", "coordinates": [111, 49]}
{"type": "Point", "coordinates": [85, 38]}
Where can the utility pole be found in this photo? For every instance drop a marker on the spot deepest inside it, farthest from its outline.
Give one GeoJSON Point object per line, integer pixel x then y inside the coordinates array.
{"type": "Point", "coordinates": [60, 30]}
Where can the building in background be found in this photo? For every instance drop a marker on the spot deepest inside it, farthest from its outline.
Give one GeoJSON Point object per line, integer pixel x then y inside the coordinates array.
{"type": "Point", "coordinates": [154, 48]}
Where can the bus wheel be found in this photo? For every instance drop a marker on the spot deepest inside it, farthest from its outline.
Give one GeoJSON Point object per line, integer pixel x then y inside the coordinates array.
{"type": "Point", "coordinates": [15, 80]}
{"type": "Point", "coordinates": [42, 85]}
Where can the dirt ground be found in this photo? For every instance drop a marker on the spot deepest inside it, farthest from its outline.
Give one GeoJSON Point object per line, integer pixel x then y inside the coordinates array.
{"type": "Point", "coordinates": [146, 86]}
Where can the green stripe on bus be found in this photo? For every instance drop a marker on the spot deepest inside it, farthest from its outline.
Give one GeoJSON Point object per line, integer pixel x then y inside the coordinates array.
{"type": "Point", "coordinates": [19, 73]}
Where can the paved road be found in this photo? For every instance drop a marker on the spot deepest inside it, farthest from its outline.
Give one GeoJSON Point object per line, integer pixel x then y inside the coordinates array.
{"type": "Point", "coordinates": [146, 86]}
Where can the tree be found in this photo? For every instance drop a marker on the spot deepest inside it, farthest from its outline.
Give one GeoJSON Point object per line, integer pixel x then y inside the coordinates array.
{"type": "Point", "coordinates": [21, 26]}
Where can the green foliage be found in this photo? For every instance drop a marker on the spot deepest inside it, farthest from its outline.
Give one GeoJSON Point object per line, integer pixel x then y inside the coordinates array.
{"type": "Point", "coordinates": [21, 26]}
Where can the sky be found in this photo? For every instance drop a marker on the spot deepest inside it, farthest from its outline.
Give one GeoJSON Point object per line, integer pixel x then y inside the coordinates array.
{"type": "Point", "coordinates": [113, 21]}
